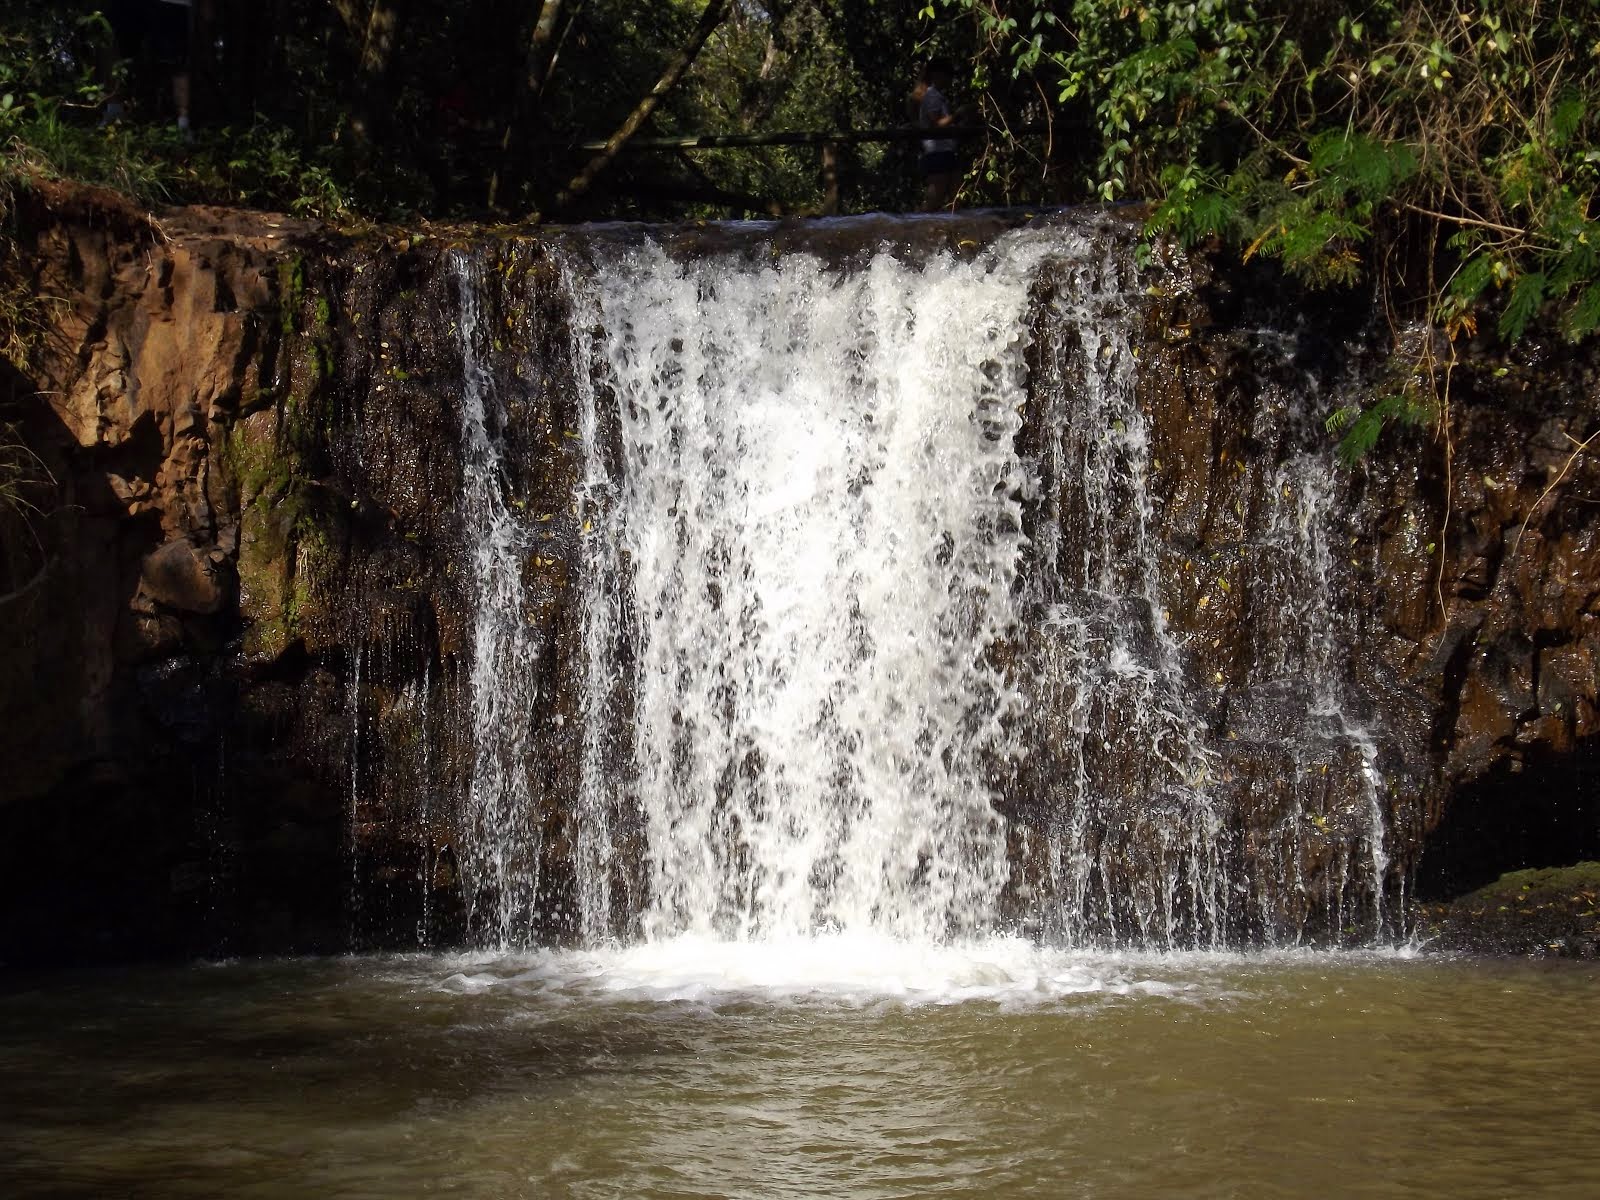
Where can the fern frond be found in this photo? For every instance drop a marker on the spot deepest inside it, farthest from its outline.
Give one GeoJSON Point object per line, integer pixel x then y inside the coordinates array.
{"type": "Point", "coordinates": [1475, 275]}
{"type": "Point", "coordinates": [1583, 318]}
{"type": "Point", "coordinates": [1339, 419]}
{"type": "Point", "coordinates": [1351, 163]}
{"type": "Point", "coordinates": [1566, 120]}
{"type": "Point", "coordinates": [1361, 427]}
{"type": "Point", "coordinates": [1527, 297]}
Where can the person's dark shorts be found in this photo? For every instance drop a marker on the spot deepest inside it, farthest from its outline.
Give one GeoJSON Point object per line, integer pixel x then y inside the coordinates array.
{"type": "Point", "coordinates": [152, 27]}
{"type": "Point", "coordinates": [939, 162]}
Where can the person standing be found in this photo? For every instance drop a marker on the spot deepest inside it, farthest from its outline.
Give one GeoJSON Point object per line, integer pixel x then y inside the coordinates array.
{"type": "Point", "coordinates": [160, 31]}
{"type": "Point", "coordinates": [173, 39]}
{"type": "Point", "coordinates": [939, 170]}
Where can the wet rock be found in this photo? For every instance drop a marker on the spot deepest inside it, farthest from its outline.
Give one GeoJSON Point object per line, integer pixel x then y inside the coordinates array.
{"type": "Point", "coordinates": [184, 577]}
{"type": "Point", "coordinates": [255, 428]}
{"type": "Point", "coordinates": [1549, 913]}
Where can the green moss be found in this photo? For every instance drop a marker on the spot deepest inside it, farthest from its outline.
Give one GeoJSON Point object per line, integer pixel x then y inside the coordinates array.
{"type": "Point", "coordinates": [1536, 883]}
{"type": "Point", "coordinates": [263, 473]}
{"type": "Point", "coordinates": [291, 292]}
{"type": "Point", "coordinates": [298, 602]}
{"type": "Point", "coordinates": [1541, 912]}
{"type": "Point", "coordinates": [321, 361]}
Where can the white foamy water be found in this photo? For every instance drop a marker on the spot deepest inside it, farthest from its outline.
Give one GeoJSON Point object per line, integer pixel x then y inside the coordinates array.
{"type": "Point", "coordinates": [1134, 852]}
{"type": "Point", "coordinates": [820, 512]}
{"type": "Point", "coordinates": [500, 860]}
{"type": "Point", "coordinates": [859, 969]}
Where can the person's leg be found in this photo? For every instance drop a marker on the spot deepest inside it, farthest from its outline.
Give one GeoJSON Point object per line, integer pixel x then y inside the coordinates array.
{"type": "Point", "coordinates": [941, 174]}
{"type": "Point", "coordinates": [180, 97]}
{"type": "Point", "coordinates": [172, 48]}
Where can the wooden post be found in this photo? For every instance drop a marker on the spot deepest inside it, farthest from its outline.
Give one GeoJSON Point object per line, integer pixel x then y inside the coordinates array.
{"type": "Point", "coordinates": [830, 179]}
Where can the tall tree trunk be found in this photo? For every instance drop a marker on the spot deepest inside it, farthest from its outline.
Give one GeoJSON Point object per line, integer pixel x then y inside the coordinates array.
{"type": "Point", "coordinates": [377, 44]}
{"type": "Point", "coordinates": [713, 16]}
{"type": "Point", "coordinates": [541, 51]}
{"type": "Point", "coordinates": [378, 35]}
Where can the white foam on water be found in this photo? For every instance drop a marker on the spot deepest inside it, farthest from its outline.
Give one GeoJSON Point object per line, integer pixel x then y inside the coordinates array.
{"type": "Point", "coordinates": [857, 969]}
{"type": "Point", "coordinates": [834, 604]}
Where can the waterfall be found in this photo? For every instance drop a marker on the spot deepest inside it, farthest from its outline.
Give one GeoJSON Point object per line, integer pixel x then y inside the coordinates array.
{"type": "Point", "coordinates": [1132, 836]}
{"type": "Point", "coordinates": [820, 508]}
{"type": "Point", "coordinates": [1301, 657]}
{"type": "Point", "coordinates": [501, 823]}
{"type": "Point", "coordinates": [874, 594]}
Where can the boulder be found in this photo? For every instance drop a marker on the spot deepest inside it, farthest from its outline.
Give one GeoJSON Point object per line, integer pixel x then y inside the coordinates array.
{"type": "Point", "coordinates": [184, 577]}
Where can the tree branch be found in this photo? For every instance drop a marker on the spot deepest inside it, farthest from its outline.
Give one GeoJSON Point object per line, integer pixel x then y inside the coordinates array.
{"type": "Point", "coordinates": [715, 12]}
{"type": "Point", "coordinates": [377, 43]}
{"type": "Point", "coordinates": [1473, 221]}
{"type": "Point", "coordinates": [353, 22]}
{"type": "Point", "coordinates": [1581, 447]}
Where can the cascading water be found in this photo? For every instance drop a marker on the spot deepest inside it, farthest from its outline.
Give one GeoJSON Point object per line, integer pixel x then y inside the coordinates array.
{"type": "Point", "coordinates": [500, 824]}
{"type": "Point", "coordinates": [820, 509]}
{"type": "Point", "coordinates": [835, 602]}
{"type": "Point", "coordinates": [1132, 834]}
{"type": "Point", "coordinates": [605, 686]}
{"type": "Point", "coordinates": [1300, 651]}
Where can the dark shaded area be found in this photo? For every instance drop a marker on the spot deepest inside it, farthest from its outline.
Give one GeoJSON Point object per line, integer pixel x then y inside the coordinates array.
{"type": "Point", "coordinates": [397, 110]}
{"type": "Point", "coordinates": [1539, 811]}
{"type": "Point", "coordinates": [125, 1054]}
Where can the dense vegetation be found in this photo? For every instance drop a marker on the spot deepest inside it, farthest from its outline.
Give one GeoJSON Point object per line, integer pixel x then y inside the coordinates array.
{"type": "Point", "coordinates": [1446, 151]}
{"type": "Point", "coordinates": [1442, 152]}
{"type": "Point", "coordinates": [379, 109]}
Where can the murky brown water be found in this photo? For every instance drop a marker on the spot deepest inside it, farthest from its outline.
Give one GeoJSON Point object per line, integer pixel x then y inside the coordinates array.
{"type": "Point", "coordinates": [564, 1076]}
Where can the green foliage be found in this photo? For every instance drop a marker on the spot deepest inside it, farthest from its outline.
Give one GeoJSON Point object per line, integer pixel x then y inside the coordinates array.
{"type": "Point", "coordinates": [1346, 140]}
{"type": "Point", "coordinates": [386, 111]}
{"type": "Point", "coordinates": [25, 486]}
{"type": "Point", "coordinates": [38, 74]}
{"type": "Point", "coordinates": [1359, 427]}
{"type": "Point", "coordinates": [291, 291]}
{"type": "Point", "coordinates": [791, 69]}
{"type": "Point", "coordinates": [20, 472]}
{"type": "Point", "coordinates": [1528, 294]}
{"type": "Point", "coordinates": [51, 102]}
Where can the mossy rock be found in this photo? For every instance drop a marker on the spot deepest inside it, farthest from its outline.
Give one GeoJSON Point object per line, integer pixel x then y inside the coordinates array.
{"type": "Point", "coordinates": [1552, 912]}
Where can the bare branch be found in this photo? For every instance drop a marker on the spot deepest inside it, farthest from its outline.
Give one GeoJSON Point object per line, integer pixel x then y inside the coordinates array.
{"type": "Point", "coordinates": [1581, 447]}
{"type": "Point", "coordinates": [715, 12]}
{"type": "Point", "coordinates": [1472, 221]}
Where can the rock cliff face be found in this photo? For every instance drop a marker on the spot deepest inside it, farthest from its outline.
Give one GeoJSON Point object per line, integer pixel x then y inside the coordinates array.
{"type": "Point", "coordinates": [233, 664]}
{"type": "Point", "coordinates": [1464, 588]}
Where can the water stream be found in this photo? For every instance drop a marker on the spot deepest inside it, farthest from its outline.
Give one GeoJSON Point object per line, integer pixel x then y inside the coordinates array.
{"type": "Point", "coordinates": [600, 1074]}
{"type": "Point", "coordinates": [833, 593]}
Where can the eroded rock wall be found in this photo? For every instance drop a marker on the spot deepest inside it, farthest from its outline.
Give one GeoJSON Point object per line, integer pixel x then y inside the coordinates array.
{"type": "Point", "coordinates": [173, 710]}
{"type": "Point", "coordinates": [233, 708]}
{"type": "Point", "coordinates": [1464, 564]}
